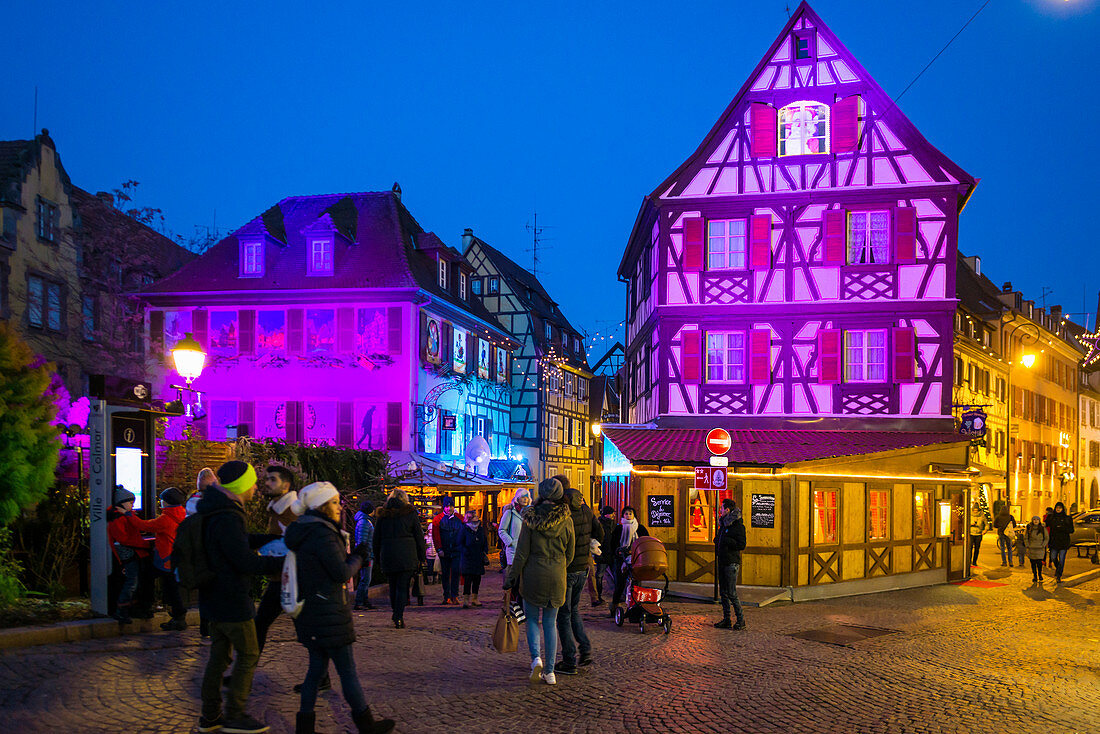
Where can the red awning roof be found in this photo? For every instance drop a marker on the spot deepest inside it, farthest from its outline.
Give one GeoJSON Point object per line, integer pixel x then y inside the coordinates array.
{"type": "Point", "coordinates": [771, 447]}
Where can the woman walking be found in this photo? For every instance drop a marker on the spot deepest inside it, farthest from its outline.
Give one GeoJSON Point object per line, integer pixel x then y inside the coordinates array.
{"type": "Point", "coordinates": [1060, 526]}
{"type": "Point", "coordinates": [473, 557]}
{"type": "Point", "coordinates": [544, 549]}
{"type": "Point", "coordinates": [324, 625]}
{"type": "Point", "coordinates": [400, 548]}
{"type": "Point", "coordinates": [1005, 524]}
{"type": "Point", "coordinates": [511, 522]}
{"type": "Point", "coordinates": [1036, 540]}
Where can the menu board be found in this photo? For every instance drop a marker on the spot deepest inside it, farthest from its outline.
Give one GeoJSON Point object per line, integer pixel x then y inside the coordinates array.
{"type": "Point", "coordinates": [661, 510]}
{"type": "Point", "coordinates": [763, 510]}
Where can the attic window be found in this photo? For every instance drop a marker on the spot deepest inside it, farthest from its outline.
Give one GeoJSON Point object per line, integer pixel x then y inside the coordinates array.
{"type": "Point", "coordinates": [320, 256]}
{"type": "Point", "coordinates": [475, 286]}
{"type": "Point", "coordinates": [442, 273]}
{"type": "Point", "coordinates": [462, 286]}
{"type": "Point", "coordinates": [252, 258]}
{"type": "Point", "coordinates": [549, 333]}
{"type": "Point", "coordinates": [804, 45]}
{"type": "Point", "coordinates": [494, 285]}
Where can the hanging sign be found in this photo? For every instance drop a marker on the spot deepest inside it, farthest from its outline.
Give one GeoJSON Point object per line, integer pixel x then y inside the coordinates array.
{"type": "Point", "coordinates": [710, 477]}
{"type": "Point", "coordinates": [763, 510]}
{"type": "Point", "coordinates": [483, 359]}
{"type": "Point", "coordinates": [432, 346]}
{"type": "Point", "coordinates": [458, 353]}
{"type": "Point", "coordinates": [661, 510]}
{"type": "Point", "coordinates": [719, 441]}
{"type": "Point", "coordinates": [972, 424]}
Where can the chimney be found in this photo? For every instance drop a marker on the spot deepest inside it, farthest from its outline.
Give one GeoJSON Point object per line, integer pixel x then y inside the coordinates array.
{"type": "Point", "coordinates": [467, 238]}
{"type": "Point", "coordinates": [1056, 314]}
{"type": "Point", "coordinates": [106, 198]}
{"type": "Point", "coordinates": [1007, 287]}
{"type": "Point", "coordinates": [396, 190]}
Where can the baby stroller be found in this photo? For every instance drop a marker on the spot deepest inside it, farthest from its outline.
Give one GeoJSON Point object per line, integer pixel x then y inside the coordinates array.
{"type": "Point", "coordinates": [648, 561]}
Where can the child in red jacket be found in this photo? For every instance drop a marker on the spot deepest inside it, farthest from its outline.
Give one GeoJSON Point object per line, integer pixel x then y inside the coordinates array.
{"type": "Point", "coordinates": [130, 548]}
{"type": "Point", "coordinates": [164, 529]}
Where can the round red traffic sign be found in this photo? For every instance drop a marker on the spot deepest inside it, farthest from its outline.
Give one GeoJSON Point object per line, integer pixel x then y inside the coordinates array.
{"type": "Point", "coordinates": [719, 441]}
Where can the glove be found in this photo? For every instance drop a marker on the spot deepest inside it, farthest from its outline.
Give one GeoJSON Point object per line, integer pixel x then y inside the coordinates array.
{"type": "Point", "coordinates": [508, 585]}
{"type": "Point", "coordinates": [363, 551]}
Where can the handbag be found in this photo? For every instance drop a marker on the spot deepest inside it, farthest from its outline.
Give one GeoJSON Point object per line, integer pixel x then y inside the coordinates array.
{"type": "Point", "coordinates": [437, 565]}
{"type": "Point", "coordinates": [506, 631]}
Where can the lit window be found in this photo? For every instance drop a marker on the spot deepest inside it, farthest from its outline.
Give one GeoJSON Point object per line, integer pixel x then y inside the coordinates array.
{"type": "Point", "coordinates": [442, 273]}
{"type": "Point", "coordinates": [879, 515]}
{"type": "Point", "coordinates": [726, 244]}
{"type": "Point", "coordinates": [922, 514]}
{"type": "Point", "coordinates": [825, 515]}
{"type": "Point", "coordinates": [804, 129]}
{"type": "Point", "coordinates": [726, 357]}
{"type": "Point", "coordinates": [569, 384]}
{"type": "Point", "coordinates": [868, 237]}
{"type": "Point", "coordinates": [865, 356]}
{"type": "Point", "coordinates": [320, 257]}
{"type": "Point", "coordinates": [88, 317]}
{"type": "Point", "coordinates": [475, 286]}
{"type": "Point", "coordinates": [494, 285]}
{"type": "Point", "coordinates": [462, 286]}
{"type": "Point", "coordinates": [252, 258]}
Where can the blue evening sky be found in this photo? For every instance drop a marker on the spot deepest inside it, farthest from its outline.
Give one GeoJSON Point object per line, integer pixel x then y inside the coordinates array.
{"type": "Point", "coordinates": [486, 112]}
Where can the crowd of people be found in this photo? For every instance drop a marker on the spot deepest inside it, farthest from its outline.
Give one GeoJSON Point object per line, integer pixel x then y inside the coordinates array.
{"type": "Point", "coordinates": [1044, 541]}
{"type": "Point", "coordinates": [553, 547]}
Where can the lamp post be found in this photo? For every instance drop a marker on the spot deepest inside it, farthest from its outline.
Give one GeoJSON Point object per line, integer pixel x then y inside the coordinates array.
{"type": "Point", "coordinates": [1027, 360]}
{"type": "Point", "coordinates": [189, 360]}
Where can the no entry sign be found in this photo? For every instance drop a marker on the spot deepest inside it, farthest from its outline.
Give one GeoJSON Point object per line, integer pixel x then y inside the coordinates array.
{"type": "Point", "coordinates": [719, 441]}
{"type": "Point", "coordinates": [710, 477]}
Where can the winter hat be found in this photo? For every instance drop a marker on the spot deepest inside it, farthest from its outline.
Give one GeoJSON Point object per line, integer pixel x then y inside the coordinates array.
{"type": "Point", "coordinates": [447, 501]}
{"type": "Point", "coordinates": [607, 510]}
{"type": "Point", "coordinates": [520, 494]}
{"type": "Point", "coordinates": [550, 489]}
{"type": "Point", "coordinates": [122, 495]}
{"type": "Point", "coordinates": [172, 497]}
{"type": "Point", "coordinates": [366, 507]}
{"type": "Point", "coordinates": [314, 495]}
{"type": "Point", "coordinates": [237, 476]}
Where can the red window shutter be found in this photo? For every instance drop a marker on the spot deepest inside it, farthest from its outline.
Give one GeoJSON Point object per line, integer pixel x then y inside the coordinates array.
{"type": "Point", "coordinates": [760, 356]}
{"type": "Point", "coordinates": [393, 426]}
{"type": "Point", "coordinates": [693, 243]}
{"type": "Point", "coordinates": [905, 235]}
{"type": "Point", "coordinates": [905, 354]}
{"type": "Point", "coordinates": [829, 357]}
{"type": "Point", "coordinates": [247, 326]}
{"type": "Point", "coordinates": [760, 242]}
{"type": "Point", "coordinates": [691, 359]}
{"type": "Point", "coordinates": [295, 331]}
{"type": "Point", "coordinates": [199, 320]}
{"type": "Point", "coordinates": [833, 225]}
{"type": "Point", "coordinates": [345, 435]}
{"type": "Point", "coordinates": [764, 130]}
{"type": "Point", "coordinates": [345, 330]}
{"type": "Point", "coordinates": [156, 333]}
{"type": "Point", "coordinates": [845, 125]}
{"type": "Point", "coordinates": [393, 317]}
{"type": "Point", "coordinates": [246, 418]}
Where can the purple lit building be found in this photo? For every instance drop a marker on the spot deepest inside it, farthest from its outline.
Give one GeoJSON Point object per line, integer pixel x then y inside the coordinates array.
{"type": "Point", "coordinates": [797, 272]}
{"type": "Point", "coordinates": [339, 320]}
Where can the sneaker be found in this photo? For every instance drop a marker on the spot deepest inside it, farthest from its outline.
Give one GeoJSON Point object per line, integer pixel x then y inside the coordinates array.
{"type": "Point", "coordinates": [536, 670]}
{"type": "Point", "coordinates": [585, 660]}
{"type": "Point", "coordinates": [244, 725]}
{"type": "Point", "coordinates": [739, 626]}
{"type": "Point", "coordinates": [549, 679]}
{"type": "Point", "coordinates": [566, 669]}
{"type": "Point", "coordinates": [214, 724]}
{"type": "Point", "coordinates": [724, 624]}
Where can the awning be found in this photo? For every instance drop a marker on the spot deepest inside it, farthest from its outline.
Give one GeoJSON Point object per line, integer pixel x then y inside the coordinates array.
{"type": "Point", "coordinates": [409, 468]}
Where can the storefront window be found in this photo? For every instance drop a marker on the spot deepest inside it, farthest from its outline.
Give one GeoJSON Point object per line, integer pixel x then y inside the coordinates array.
{"type": "Point", "coordinates": [879, 514]}
{"type": "Point", "coordinates": [700, 516]}
{"type": "Point", "coordinates": [922, 514]}
{"type": "Point", "coordinates": [825, 516]}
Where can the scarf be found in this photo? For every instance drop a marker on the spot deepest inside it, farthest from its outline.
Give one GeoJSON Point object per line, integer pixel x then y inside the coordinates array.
{"type": "Point", "coordinates": [630, 532]}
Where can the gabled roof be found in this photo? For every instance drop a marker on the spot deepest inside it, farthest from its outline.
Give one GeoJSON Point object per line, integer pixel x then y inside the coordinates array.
{"type": "Point", "coordinates": [976, 293]}
{"type": "Point", "coordinates": [756, 447]}
{"type": "Point", "coordinates": [17, 157]}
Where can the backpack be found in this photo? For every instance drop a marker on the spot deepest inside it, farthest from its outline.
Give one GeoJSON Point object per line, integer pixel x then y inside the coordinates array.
{"type": "Point", "coordinates": [189, 555]}
{"type": "Point", "coordinates": [288, 596]}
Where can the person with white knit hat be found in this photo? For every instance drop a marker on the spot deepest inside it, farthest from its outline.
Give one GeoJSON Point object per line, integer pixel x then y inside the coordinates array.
{"type": "Point", "coordinates": [324, 625]}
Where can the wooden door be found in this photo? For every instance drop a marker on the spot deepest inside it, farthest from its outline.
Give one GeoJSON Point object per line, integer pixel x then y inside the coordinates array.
{"type": "Point", "coordinates": [958, 542]}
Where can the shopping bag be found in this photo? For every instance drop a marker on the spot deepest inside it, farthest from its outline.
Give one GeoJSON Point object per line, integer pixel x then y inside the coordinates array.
{"type": "Point", "coordinates": [506, 631]}
{"type": "Point", "coordinates": [288, 594]}
{"type": "Point", "coordinates": [437, 565]}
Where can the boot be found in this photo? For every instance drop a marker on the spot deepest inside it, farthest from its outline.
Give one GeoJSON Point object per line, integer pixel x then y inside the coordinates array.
{"type": "Point", "coordinates": [474, 601]}
{"type": "Point", "coordinates": [122, 614]}
{"type": "Point", "coordinates": [366, 724]}
{"type": "Point", "coordinates": [465, 601]}
{"type": "Point", "coordinates": [176, 623]}
{"type": "Point", "coordinates": [304, 723]}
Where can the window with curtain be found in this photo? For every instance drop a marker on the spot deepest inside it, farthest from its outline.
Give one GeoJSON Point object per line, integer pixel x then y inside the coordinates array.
{"type": "Point", "coordinates": [726, 244]}
{"type": "Point", "coordinates": [726, 356]}
{"type": "Point", "coordinates": [880, 514]}
{"type": "Point", "coordinates": [865, 355]}
{"type": "Point", "coordinates": [922, 514]}
{"type": "Point", "coordinates": [868, 237]}
{"type": "Point", "coordinates": [825, 517]}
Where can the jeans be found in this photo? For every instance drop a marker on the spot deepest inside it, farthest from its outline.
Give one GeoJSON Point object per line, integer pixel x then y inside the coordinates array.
{"type": "Point", "coordinates": [601, 573]}
{"type": "Point", "coordinates": [1006, 543]}
{"type": "Point", "coordinates": [549, 631]}
{"type": "Point", "coordinates": [1036, 568]}
{"type": "Point", "coordinates": [471, 584]}
{"type": "Point", "coordinates": [569, 622]}
{"type": "Point", "coordinates": [170, 594]}
{"type": "Point", "coordinates": [399, 593]}
{"type": "Point", "coordinates": [131, 572]}
{"type": "Point", "coordinates": [224, 638]}
{"type": "Point", "coordinates": [448, 571]}
{"type": "Point", "coordinates": [362, 591]}
{"type": "Point", "coordinates": [1058, 558]}
{"type": "Point", "coordinates": [268, 610]}
{"type": "Point", "coordinates": [975, 546]}
{"type": "Point", "coordinates": [727, 590]}
{"type": "Point", "coordinates": [341, 657]}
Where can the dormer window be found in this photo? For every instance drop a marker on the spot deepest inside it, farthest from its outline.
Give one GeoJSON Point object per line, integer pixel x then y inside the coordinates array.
{"type": "Point", "coordinates": [320, 256]}
{"type": "Point", "coordinates": [462, 286]}
{"type": "Point", "coordinates": [252, 258]}
{"type": "Point", "coordinates": [494, 285]}
{"type": "Point", "coordinates": [549, 333]}
{"type": "Point", "coordinates": [443, 273]}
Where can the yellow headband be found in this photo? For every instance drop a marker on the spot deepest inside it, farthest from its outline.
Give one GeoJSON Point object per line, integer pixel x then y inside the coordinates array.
{"type": "Point", "coordinates": [243, 483]}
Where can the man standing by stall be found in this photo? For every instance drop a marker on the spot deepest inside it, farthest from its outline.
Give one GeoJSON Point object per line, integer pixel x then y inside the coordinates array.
{"type": "Point", "coordinates": [729, 541]}
{"type": "Point", "coordinates": [446, 533]}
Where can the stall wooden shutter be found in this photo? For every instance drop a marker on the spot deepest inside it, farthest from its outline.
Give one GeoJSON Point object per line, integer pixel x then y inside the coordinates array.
{"type": "Point", "coordinates": [393, 426]}
{"type": "Point", "coordinates": [760, 241]}
{"type": "Point", "coordinates": [295, 331]}
{"type": "Point", "coordinates": [845, 125]}
{"type": "Point", "coordinates": [760, 356]}
{"type": "Point", "coordinates": [345, 433]}
{"type": "Point", "coordinates": [693, 243]}
{"type": "Point", "coordinates": [246, 418]}
{"type": "Point", "coordinates": [247, 326]}
{"type": "Point", "coordinates": [199, 320]}
{"type": "Point", "coordinates": [764, 130]}
{"type": "Point", "coordinates": [393, 318]}
{"type": "Point", "coordinates": [691, 356]}
{"type": "Point", "coordinates": [905, 358]}
{"type": "Point", "coordinates": [905, 235]}
{"type": "Point", "coordinates": [829, 356]}
{"type": "Point", "coordinates": [345, 330]}
{"type": "Point", "coordinates": [833, 225]}
{"type": "Point", "coordinates": [156, 333]}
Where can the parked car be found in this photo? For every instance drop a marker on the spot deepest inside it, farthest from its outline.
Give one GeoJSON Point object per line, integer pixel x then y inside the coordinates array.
{"type": "Point", "coordinates": [1086, 527]}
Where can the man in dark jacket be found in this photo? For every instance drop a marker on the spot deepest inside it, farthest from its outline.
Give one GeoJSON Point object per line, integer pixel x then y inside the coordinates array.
{"type": "Point", "coordinates": [226, 603]}
{"type": "Point", "coordinates": [1060, 527]}
{"type": "Point", "coordinates": [447, 538]}
{"type": "Point", "coordinates": [603, 558]}
{"type": "Point", "coordinates": [729, 541]}
{"type": "Point", "coordinates": [570, 627]}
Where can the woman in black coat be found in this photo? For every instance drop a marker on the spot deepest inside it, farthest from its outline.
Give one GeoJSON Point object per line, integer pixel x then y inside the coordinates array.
{"type": "Point", "coordinates": [399, 549]}
{"type": "Point", "coordinates": [474, 554]}
{"type": "Point", "coordinates": [324, 623]}
{"type": "Point", "coordinates": [1060, 527]}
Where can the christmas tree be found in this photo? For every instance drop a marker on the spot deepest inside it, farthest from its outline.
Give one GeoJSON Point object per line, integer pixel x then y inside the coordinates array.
{"type": "Point", "coordinates": [983, 502]}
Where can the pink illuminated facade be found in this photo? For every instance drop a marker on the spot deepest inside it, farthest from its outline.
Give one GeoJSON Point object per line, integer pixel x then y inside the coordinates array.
{"type": "Point", "coordinates": [338, 320]}
{"type": "Point", "coordinates": [800, 265]}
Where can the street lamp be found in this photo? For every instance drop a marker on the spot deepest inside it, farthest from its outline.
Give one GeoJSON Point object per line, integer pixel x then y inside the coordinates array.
{"type": "Point", "coordinates": [1027, 360]}
{"type": "Point", "coordinates": [189, 358]}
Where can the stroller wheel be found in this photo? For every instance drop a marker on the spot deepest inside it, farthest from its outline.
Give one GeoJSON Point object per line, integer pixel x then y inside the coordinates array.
{"type": "Point", "coordinates": [619, 616]}
{"type": "Point", "coordinates": [641, 625]}
{"type": "Point", "coordinates": [667, 624]}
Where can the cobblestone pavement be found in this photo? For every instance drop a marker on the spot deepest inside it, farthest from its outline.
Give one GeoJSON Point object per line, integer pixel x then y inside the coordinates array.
{"type": "Point", "coordinates": [1010, 658]}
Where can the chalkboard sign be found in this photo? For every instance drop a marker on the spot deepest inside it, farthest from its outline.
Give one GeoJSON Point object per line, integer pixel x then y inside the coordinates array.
{"type": "Point", "coordinates": [763, 510]}
{"type": "Point", "coordinates": [662, 510]}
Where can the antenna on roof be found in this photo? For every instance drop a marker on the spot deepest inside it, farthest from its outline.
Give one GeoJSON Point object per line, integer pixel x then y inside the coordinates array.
{"type": "Point", "coordinates": [536, 241]}
{"type": "Point", "coordinates": [34, 127]}
{"type": "Point", "coordinates": [1043, 296]}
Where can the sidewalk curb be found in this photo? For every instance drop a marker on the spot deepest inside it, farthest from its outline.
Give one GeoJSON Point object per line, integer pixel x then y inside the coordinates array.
{"type": "Point", "coordinates": [1081, 578]}
{"type": "Point", "coordinates": [82, 629]}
